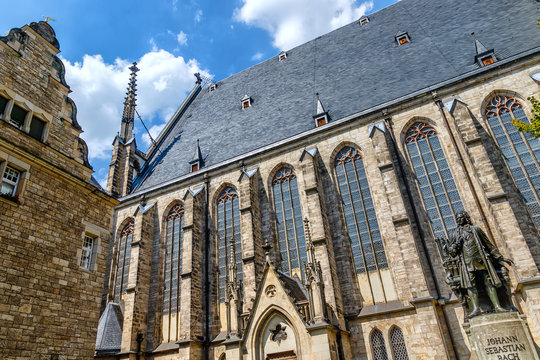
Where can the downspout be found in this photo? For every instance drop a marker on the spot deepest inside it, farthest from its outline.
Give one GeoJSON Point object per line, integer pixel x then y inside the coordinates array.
{"type": "Point", "coordinates": [206, 310]}
{"type": "Point", "coordinates": [139, 340]}
{"type": "Point", "coordinates": [388, 123]}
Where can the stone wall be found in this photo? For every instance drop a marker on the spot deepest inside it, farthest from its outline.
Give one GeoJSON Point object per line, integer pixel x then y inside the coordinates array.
{"type": "Point", "coordinates": [49, 305]}
{"type": "Point", "coordinates": [421, 302]}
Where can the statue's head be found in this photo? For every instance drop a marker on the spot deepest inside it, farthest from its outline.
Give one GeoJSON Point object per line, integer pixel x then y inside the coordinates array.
{"type": "Point", "coordinates": [463, 218]}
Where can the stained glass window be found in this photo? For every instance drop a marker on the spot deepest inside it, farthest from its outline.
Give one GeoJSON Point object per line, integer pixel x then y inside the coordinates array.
{"type": "Point", "coordinates": [437, 187]}
{"type": "Point", "coordinates": [377, 346]}
{"type": "Point", "coordinates": [520, 151]}
{"type": "Point", "coordinates": [289, 223]}
{"type": "Point", "coordinates": [228, 225]}
{"type": "Point", "coordinates": [397, 343]}
{"type": "Point", "coordinates": [173, 268]}
{"type": "Point", "coordinates": [360, 218]}
{"type": "Point", "coordinates": [122, 267]}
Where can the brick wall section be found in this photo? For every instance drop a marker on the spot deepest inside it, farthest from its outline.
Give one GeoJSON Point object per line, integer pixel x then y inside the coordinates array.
{"type": "Point", "coordinates": [48, 304]}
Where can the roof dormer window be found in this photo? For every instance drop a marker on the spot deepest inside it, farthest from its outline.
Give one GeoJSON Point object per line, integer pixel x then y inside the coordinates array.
{"type": "Point", "coordinates": [321, 120]}
{"type": "Point", "coordinates": [402, 38]}
{"type": "Point", "coordinates": [363, 20]}
{"type": "Point", "coordinates": [282, 56]}
{"type": "Point", "coordinates": [213, 87]}
{"type": "Point", "coordinates": [246, 102]}
{"type": "Point", "coordinates": [488, 60]}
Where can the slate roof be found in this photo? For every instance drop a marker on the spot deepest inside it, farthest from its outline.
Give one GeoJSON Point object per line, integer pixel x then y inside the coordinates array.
{"type": "Point", "coordinates": [353, 68]}
{"type": "Point", "coordinates": [109, 333]}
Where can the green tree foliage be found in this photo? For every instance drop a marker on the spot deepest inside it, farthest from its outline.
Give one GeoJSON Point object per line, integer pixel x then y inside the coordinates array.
{"type": "Point", "coordinates": [534, 127]}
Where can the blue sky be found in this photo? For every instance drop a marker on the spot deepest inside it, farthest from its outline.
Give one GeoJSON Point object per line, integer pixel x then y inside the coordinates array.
{"type": "Point", "coordinates": [170, 39]}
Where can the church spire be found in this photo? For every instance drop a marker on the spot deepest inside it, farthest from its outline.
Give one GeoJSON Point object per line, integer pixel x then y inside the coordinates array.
{"type": "Point", "coordinates": [128, 116]}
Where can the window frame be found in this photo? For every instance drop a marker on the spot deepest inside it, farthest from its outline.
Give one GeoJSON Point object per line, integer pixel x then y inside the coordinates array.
{"type": "Point", "coordinates": [23, 168]}
{"type": "Point", "coordinates": [297, 228]}
{"type": "Point", "coordinates": [446, 230]}
{"type": "Point", "coordinates": [226, 194]}
{"type": "Point", "coordinates": [87, 252]}
{"type": "Point", "coordinates": [32, 111]}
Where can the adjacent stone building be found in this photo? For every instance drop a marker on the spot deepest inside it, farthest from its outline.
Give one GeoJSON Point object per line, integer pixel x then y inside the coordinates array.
{"type": "Point", "coordinates": [55, 219]}
{"type": "Point", "coordinates": [289, 211]}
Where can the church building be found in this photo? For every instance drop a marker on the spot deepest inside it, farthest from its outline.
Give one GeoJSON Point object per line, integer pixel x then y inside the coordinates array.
{"type": "Point", "coordinates": [291, 211]}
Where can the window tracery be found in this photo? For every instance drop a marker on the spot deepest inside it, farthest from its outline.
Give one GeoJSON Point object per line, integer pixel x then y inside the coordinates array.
{"type": "Point", "coordinates": [397, 343]}
{"type": "Point", "coordinates": [437, 187]}
{"type": "Point", "coordinates": [360, 218]}
{"type": "Point", "coordinates": [520, 151]}
{"type": "Point", "coordinates": [289, 222]}
{"type": "Point", "coordinates": [122, 267]}
{"type": "Point", "coordinates": [173, 269]}
{"type": "Point", "coordinates": [228, 226]}
{"type": "Point", "coordinates": [377, 346]}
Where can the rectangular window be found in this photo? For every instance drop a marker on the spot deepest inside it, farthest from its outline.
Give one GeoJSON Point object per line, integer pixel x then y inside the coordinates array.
{"type": "Point", "coordinates": [37, 126]}
{"type": "Point", "coordinates": [488, 60]}
{"type": "Point", "coordinates": [10, 179]}
{"type": "Point", "coordinates": [18, 114]}
{"type": "Point", "coordinates": [86, 255]}
{"type": "Point", "coordinates": [194, 167]}
{"type": "Point", "coordinates": [3, 105]}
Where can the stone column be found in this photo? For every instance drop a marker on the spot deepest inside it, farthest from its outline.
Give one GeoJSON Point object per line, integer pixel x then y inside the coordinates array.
{"type": "Point", "coordinates": [315, 211]}
{"type": "Point", "coordinates": [191, 316]}
{"type": "Point", "coordinates": [138, 283]}
{"type": "Point", "coordinates": [410, 279]}
{"type": "Point", "coordinates": [250, 224]}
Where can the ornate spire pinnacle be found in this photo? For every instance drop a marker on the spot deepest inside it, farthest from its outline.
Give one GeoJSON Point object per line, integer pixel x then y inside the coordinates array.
{"type": "Point", "coordinates": [320, 107]}
{"type": "Point", "coordinates": [267, 247]}
{"type": "Point", "coordinates": [128, 116]}
{"type": "Point", "coordinates": [232, 261]}
{"type": "Point", "coordinates": [480, 48]}
{"type": "Point", "coordinates": [309, 243]}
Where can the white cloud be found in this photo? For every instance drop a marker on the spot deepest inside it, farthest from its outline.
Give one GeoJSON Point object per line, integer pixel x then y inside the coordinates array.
{"type": "Point", "coordinates": [198, 15]}
{"type": "Point", "coordinates": [289, 22]}
{"type": "Point", "coordinates": [182, 38]}
{"type": "Point", "coordinates": [153, 43]}
{"type": "Point", "coordinates": [257, 56]}
{"type": "Point", "coordinates": [99, 89]}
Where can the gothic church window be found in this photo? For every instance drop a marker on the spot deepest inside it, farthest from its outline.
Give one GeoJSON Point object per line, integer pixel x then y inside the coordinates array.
{"type": "Point", "coordinates": [437, 186]}
{"type": "Point", "coordinates": [173, 268]}
{"type": "Point", "coordinates": [122, 267]}
{"type": "Point", "coordinates": [520, 151]}
{"type": "Point", "coordinates": [362, 226]}
{"type": "Point", "coordinates": [397, 343]}
{"type": "Point", "coordinates": [377, 346]}
{"type": "Point", "coordinates": [289, 224]}
{"type": "Point", "coordinates": [228, 227]}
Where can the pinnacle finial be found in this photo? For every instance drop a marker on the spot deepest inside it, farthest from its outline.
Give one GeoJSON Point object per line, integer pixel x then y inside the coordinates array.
{"type": "Point", "coordinates": [320, 108]}
{"type": "Point", "coordinates": [128, 116]}
{"type": "Point", "coordinates": [267, 247]}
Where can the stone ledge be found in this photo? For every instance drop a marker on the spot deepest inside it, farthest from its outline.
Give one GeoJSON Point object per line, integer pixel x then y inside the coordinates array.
{"type": "Point", "coordinates": [386, 167]}
{"type": "Point", "coordinates": [473, 141]}
{"type": "Point", "coordinates": [381, 309]}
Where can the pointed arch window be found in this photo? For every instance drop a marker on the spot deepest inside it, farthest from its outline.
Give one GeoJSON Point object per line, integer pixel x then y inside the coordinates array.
{"type": "Point", "coordinates": [362, 225]}
{"type": "Point", "coordinates": [228, 226]}
{"type": "Point", "coordinates": [289, 224]}
{"type": "Point", "coordinates": [397, 343]}
{"type": "Point", "coordinates": [377, 346]}
{"type": "Point", "coordinates": [173, 268]}
{"type": "Point", "coordinates": [437, 187]}
{"type": "Point", "coordinates": [520, 151]}
{"type": "Point", "coordinates": [122, 267]}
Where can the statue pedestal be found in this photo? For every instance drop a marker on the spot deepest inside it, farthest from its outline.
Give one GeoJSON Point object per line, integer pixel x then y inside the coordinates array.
{"type": "Point", "coordinates": [501, 336]}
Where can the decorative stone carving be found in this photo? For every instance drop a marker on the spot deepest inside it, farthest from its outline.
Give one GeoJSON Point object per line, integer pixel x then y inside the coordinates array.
{"type": "Point", "coordinates": [270, 291]}
{"type": "Point", "coordinates": [278, 334]}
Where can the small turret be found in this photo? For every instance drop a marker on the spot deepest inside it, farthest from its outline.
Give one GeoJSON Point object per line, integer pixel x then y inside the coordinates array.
{"type": "Point", "coordinates": [124, 162]}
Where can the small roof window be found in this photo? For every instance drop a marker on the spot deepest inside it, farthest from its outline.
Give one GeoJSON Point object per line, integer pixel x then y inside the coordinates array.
{"type": "Point", "coordinates": [213, 87]}
{"type": "Point", "coordinates": [363, 20]}
{"type": "Point", "coordinates": [282, 56]}
{"type": "Point", "coordinates": [246, 102]}
{"type": "Point", "coordinates": [402, 38]}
